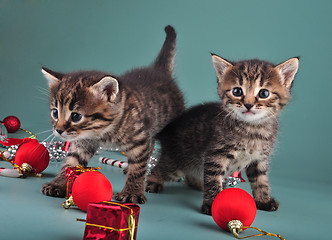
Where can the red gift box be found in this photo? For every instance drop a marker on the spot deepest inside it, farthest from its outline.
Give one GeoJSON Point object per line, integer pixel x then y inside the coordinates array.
{"type": "Point", "coordinates": [111, 220]}
{"type": "Point", "coordinates": [72, 173]}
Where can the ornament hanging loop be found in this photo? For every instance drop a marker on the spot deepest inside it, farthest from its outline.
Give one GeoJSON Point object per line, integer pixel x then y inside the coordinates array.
{"type": "Point", "coordinates": [27, 167]}
{"type": "Point", "coordinates": [235, 227]}
{"type": "Point", "coordinates": [68, 203]}
{"type": "Point", "coordinates": [263, 233]}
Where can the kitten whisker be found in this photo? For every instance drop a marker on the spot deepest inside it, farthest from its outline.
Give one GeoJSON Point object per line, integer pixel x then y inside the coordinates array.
{"type": "Point", "coordinates": [235, 73]}
{"type": "Point", "coordinates": [44, 91]}
{"type": "Point", "coordinates": [52, 138]}
{"type": "Point", "coordinates": [46, 131]}
{"type": "Point", "coordinates": [228, 114]}
{"type": "Point", "coordinates": [84, 145]}
{"type": "Point", "coordinates": [41, 98]}
{"type": "Point", "coordinates": [52, 134]}
{"type": "Point", "coordinates": [85, 142]}
{"type": "Point", "coordinates": [271, 114]}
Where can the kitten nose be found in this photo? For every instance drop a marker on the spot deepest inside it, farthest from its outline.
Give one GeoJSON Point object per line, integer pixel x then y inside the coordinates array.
{"type": "Point", "coordinates": [248, 106]}
{"type": "Point", "coordinates": [59, 131]}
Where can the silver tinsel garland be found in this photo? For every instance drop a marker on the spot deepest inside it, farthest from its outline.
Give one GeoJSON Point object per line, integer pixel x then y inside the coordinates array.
{"type": "Point", "coordinates": [57, 153]}
{"type": "Point", "coordinates": [55, 149]}
{"type": "Point", "coordinates": [231, 181]}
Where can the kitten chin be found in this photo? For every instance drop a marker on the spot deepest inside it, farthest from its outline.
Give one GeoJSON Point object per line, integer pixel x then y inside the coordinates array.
{"type": "Point", "coordinates": [253, 116]}
{"type": "Point", "coordinates": [70, 138]}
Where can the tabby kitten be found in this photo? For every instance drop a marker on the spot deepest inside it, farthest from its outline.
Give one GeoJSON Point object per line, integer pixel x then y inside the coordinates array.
{"type": "Point", "coordinates": [211, 141]}
{"type": "Point", "coordinates": [92, 108]}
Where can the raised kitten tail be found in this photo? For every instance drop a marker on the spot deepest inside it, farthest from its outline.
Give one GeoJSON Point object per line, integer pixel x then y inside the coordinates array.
{"type": "Point", "coordinates": [166, 56]}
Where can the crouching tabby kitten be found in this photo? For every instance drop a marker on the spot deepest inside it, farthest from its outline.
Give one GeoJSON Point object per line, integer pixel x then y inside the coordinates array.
{"type": "Point", "coordinates": [211, 141]}
{"type": "Point", "coordinates": [92, 108]}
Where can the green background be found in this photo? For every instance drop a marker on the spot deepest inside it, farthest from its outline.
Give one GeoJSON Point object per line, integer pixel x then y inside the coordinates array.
{"type": "Point", "coordinates": [118, 35]}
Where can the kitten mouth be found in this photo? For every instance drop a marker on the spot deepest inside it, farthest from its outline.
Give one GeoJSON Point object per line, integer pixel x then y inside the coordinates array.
{"type": "Point", "coordinates": [67, 138]}
{"type": "Point", "coordinates": [249, 113]}
{"type": "Point", "coordinates": [70, 137]}
{"type": "Point", "coordinates": [64, 136]}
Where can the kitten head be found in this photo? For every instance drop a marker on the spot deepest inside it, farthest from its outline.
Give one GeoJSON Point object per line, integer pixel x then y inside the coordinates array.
{"type": "Point", "coordinates": [254, 91]}
{"type": "Point", "coordinates": [83, 104]}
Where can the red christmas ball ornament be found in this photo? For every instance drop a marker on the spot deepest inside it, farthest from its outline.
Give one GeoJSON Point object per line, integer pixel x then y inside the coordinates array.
{"type": "Point", "coordinates": [12, 124]}
{"type": "Point", "coordinates": [32, 156]}
{"type": "Point", "coordinates": [232, 209]}
{"type": "Point", "coordinates": [89, 187]}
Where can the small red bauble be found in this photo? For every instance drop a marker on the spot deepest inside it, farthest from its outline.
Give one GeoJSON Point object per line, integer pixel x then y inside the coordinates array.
{"type": "Point", "coordinates": [34, 154]}
{"type": "Point", "coordinates": [91, 187]}
{"type": "Point", "coordinates": [12, 124]}
{"type": "Point", "coordinates": [233, 204]}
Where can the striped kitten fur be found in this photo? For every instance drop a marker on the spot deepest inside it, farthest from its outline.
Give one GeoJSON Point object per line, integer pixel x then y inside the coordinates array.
{"type": "Point", "coordinates": [92, 108]}
{"type": "Point", "coordinates": [211, 141]}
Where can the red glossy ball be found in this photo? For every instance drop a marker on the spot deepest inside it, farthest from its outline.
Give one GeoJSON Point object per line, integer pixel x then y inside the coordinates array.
{"type": "Point", "coordinates": [33, 153]}
{"type": "Point", "coordinates": [91, 187]}
{"type": "Point", "coordinates": [12, 124]}
{"type": "Point", "coordinates": [233, 204]}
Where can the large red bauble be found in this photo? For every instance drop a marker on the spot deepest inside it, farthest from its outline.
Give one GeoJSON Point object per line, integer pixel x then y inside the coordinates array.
{"type": "Point", "coordinates": [12, 124]}
{"type": "Point", "coordinates": [91, 187]}
{"type": "Point", "coordinates": [33, 153]}
{"type": "Point", "coordinates": [233, 204]}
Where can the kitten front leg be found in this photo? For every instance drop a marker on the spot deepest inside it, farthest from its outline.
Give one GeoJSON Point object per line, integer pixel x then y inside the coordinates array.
{"type": "Point", "coordinates": [214, 171]}
{"type": "Point", "coordinates": [257, 175]}
{"type": "Point", "coordinates": [155, 181]}
{"type": "Point", "coordinates": [57, 187]}
{"type": "Point", "coordinates": [134, 188]}
{"type": "Point", "coordinates": [80, 152]}
{"type": "Point", "coordinates": [164, 171]}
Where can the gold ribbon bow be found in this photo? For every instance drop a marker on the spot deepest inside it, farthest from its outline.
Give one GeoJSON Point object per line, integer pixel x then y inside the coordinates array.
{"type": "Point", "coordinates": [81, 169]}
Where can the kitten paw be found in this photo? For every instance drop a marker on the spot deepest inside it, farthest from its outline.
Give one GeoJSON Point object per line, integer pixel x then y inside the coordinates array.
{"type": "Point", "coordinates": [130, 197]}
{"type": "Point", "coordinates": [206, 209]}
{"type": "Point", "coordinates": [125, 170]}
{"type": "Point", "coordinates": [270, 206]}
{"type": "Point", "coordinates": [153, 187]}
{"type": "Point", "coordinates": [54, 190]}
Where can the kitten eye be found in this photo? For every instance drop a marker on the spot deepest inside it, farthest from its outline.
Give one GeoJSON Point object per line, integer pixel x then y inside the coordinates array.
{"type": "Point", "coordinates": [264, 93]}
{"type": "Point", "coordinates": [55, 113]}
{"type": "Point", "coordinates": [237, 92]}
{"type": "Point", "coordinates": [76, 117]}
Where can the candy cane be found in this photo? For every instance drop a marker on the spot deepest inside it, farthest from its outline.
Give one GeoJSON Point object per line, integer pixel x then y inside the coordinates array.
{"type": "Point", "coordinates": [113, 162]}
{"type": "Point", "coordinates": [8, 172]}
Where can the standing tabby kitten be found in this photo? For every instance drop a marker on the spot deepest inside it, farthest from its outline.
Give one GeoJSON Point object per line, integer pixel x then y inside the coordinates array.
{"type": "Point", "coordinates": [211, 141]}
{"type": "Point", "coordinates": [91, 108]}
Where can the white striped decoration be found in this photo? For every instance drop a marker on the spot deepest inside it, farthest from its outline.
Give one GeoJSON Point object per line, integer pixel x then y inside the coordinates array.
{"type": "Point", "coordinates": [113, 162]}
{"type": "Point", "coordinates": [7, 172]}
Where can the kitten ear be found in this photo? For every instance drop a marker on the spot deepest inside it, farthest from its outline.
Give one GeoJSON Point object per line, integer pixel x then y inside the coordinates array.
{"type": "Point", "coordinates": [107, 88]}
{"type": "Point", "coordinates": [287, 70]}
{"type": "Point", "coordinates": [51, 76]}
{"type": "Point", "coordinates": [220, 65]}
